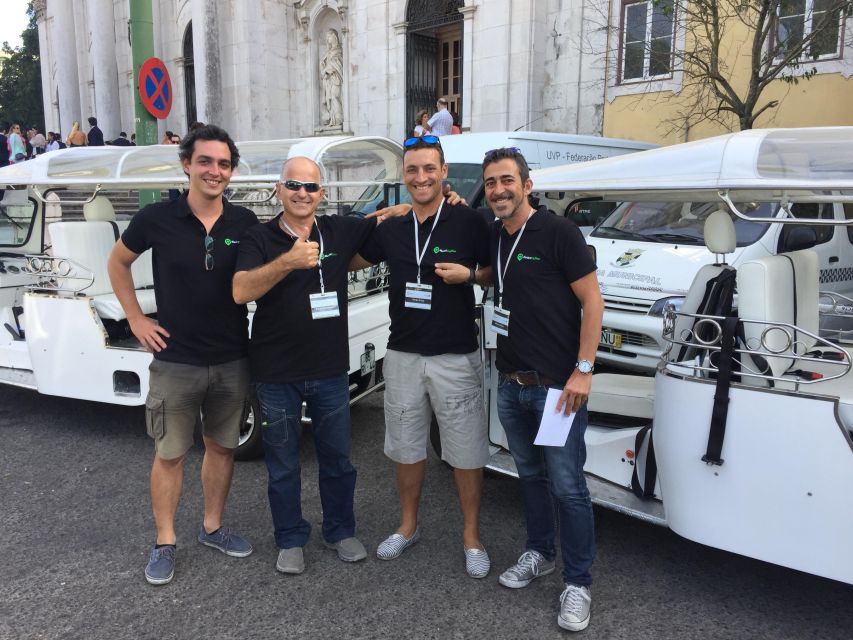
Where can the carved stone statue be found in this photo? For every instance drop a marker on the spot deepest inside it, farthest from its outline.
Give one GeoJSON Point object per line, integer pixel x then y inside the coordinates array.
{"type": "Point", "coordinates": [332, 77]}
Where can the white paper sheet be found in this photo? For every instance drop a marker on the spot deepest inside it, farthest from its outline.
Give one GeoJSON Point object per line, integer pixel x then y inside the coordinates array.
{"type": "Point", "coordinates": [555, 427]}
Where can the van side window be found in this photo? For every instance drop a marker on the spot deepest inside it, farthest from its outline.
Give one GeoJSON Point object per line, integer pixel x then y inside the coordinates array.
{"type": "Point", "coordinates": [815, 211]}
{"type": "Point", "coordinates": [848, 215]}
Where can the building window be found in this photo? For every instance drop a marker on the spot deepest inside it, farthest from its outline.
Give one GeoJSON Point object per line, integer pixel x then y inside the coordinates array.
{"type": "Point", "coordinates": [647, 34]}
{"type": "Point", "coordinates": [798, 19]}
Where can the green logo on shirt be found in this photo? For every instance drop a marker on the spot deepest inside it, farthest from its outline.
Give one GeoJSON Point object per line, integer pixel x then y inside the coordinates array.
{"type": "Point", "coordinates": [521, 257]}
{"type": "Point", "coordinates": [323, 256]}
{"type": "Point", "coordinates": [438, 250]}
{"type": "Point", "coordinates": [229, 242]}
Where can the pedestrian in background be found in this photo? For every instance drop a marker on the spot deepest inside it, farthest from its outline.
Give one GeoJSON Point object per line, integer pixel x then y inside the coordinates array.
{"type": "Point", "coordinates": [16, 145]}
{"type": "Point", "coordinates": [95, 138]}
{"type": "Point", "coordinates": [421, 121]}
{"type": "Point", "coordinates": [76, 137]}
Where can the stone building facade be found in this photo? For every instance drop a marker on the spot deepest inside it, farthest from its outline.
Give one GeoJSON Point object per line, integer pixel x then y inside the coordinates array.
{"type": "Point", "coordinates": [286, 68]}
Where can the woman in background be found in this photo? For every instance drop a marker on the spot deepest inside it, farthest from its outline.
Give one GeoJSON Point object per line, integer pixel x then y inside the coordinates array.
{"type": "Point", "coordinates": [76, 138]}
{"type": "Point", "coordinates": [421, 123]}
{"type": "Point", "coordinates": [16, 144]}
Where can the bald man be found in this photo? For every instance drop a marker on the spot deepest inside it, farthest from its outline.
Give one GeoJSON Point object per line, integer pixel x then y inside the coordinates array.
{"type": "Point", "coordinates": [295, 267]}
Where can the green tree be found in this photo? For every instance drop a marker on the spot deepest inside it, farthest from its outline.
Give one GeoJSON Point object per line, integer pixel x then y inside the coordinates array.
{"type": "Point", "coordinates": [20, 80]}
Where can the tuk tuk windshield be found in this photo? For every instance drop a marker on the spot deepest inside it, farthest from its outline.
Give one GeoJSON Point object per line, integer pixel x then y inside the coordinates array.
{"type": "Point", "coordinates": [17, 214]}
{"type": "Point", "coordinates": [679, 222]}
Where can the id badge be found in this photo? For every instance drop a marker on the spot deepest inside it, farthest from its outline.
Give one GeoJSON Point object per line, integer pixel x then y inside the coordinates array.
{"type": "Point", "coordinates": [324, 305]}
{"type": "Point", "coordinates": [418, 296]}
{"type": "Point", "coordinates": [500, 321]}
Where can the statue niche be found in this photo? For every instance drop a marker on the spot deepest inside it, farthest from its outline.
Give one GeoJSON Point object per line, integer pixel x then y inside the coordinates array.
{"type": "Point", "coordinates": [332, 80]}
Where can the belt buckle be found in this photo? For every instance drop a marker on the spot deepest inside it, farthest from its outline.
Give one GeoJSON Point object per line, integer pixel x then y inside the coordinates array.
{"type": "Point", "coordinates": [527, 378]}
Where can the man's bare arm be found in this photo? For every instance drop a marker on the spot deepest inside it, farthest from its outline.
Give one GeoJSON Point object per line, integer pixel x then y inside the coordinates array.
{"type": "Point", "coordinates": [146, 330]}
{"type": "Point", "coordinates": [251, 285]}
{"type": "Point", "coordinates": [357, 263]}
{"type": "Point", "coordinates": [576, 390]}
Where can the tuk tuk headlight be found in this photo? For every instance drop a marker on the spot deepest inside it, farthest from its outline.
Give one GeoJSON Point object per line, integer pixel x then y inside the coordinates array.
{"type": "Point", "coordinates": [658, 307]}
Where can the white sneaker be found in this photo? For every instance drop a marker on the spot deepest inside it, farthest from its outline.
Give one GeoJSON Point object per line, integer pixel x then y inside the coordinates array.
{"type": "Point", "coordinates": [574, 608]}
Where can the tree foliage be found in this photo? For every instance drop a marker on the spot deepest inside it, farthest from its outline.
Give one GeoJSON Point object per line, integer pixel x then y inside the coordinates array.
{"type": "Point", "coordinates": [20, 80]}
{"type": "Point", "coordinates": [734, 49]}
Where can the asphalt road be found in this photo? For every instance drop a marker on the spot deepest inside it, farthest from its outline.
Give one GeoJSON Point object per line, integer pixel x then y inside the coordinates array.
{"type": "Point", "coordinates": [75, 531]}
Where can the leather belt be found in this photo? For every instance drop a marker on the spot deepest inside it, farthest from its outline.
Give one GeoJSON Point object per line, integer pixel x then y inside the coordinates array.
{"type": "Point", "coordinates": [530, 378]}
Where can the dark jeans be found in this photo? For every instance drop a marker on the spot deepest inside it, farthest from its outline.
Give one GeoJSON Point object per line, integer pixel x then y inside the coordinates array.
{"type": "Point", "coordinates": [553, 486]}
{"type": "Point", "coordinates": [281, 428]}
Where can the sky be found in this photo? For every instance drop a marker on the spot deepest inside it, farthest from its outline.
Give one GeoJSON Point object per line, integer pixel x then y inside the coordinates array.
{"type": "Point", "coordinates": [14, 21]}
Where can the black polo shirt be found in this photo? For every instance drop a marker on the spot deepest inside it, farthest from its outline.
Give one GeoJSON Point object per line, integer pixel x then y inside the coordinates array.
{"type": "Point", "coordinates": [460, 236]}
{"type": "Point", "coordinates": [545, 315]}
{"type": "Point", "coordinates": [195, 306]}
{"type": "Point", "coordinates": [287, 344]}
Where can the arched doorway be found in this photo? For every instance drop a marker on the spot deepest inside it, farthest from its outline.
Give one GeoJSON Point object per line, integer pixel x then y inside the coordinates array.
{"type": "Point", "coordinates": [189, 75]}
{"type": "Point", "coordinates": [433, 56]}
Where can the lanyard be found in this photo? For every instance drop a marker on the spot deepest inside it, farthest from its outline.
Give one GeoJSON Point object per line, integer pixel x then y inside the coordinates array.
{"type": "Point", "coordinates": [320, 261]}
{"type": "Point", "coordinates": [419, 256]}
{"type": "Point", "coordinates": [502, 272]}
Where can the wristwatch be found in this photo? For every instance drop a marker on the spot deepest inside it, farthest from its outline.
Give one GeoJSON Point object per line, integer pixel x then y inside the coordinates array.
{"type": "Point", "coordinates": [585, 367]}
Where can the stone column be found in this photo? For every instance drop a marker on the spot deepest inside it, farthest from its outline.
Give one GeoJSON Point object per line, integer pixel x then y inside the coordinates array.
{"type": "Point", "coordinates": [467, 63]}
{"type": "Point", "coordinates": [65, 57]}
{"type": "Point", "coordinates": [208, 72]}
{"type": "Point", "coordinates": [48, 93]}
{"type": "Point", "coordinates": [101, 21]}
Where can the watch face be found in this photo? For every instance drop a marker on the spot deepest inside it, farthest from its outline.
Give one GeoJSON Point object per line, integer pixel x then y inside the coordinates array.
{"type": "Point", "coordinates": [585, 366]}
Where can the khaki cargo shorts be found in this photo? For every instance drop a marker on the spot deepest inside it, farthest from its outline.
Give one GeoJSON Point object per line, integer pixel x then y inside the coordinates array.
{"type": "Point", "coordinates": [179, 394]}
{"type": "Point", "coordinates": [449, 385]}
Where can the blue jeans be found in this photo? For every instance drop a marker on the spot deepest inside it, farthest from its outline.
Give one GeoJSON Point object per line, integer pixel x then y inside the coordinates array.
{"type": "Point", "coordinates": [553, 486]}
{"type": "Point", "coordinates": [281, 429]}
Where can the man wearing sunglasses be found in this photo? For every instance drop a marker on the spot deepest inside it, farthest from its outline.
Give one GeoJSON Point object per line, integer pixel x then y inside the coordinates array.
{"type": "Point", "coordinates": [296, 266]}
{"type": "Point", "coordinates": [433, 362]}
{"type": "Point", "coordinates": [548, 322]}
{"type": "Point", "coordinates": [199, 339]}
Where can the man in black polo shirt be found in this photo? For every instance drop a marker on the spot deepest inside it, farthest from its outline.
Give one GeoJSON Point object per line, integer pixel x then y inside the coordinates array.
{"type": "Point", "coordinates": [295, 266]}
{"type": "Point", "coordinates": [199, 339]}
{"type": "Point", "coordinates": [433, 361]}
{"type": "Point", "coordinates": [548, 319]}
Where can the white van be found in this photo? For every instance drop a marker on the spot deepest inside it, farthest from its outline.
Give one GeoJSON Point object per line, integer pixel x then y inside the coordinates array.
{"type": "Point", "coordinates": [649, 251]}
{"type": "Point", "coordinates": [464, 156]}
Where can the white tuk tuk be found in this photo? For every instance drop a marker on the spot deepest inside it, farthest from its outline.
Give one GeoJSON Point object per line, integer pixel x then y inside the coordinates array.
{"type": "Point", "coordinates": [743, 440]}
{"type": "Point", "coordinates": [63, 331]}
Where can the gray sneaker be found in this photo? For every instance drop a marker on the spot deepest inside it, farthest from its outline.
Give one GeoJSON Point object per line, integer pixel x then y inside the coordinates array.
{"type": "Point", "coordinates": [161, 565]}
{"type": "Point", "coordinates": [349, 549]}
{"type": "Point", "coordinates": [530, 565]}
{"type": "Point", "coordinates": [575, 603]}
{"type": "Point", "coordinates": [290, 560]}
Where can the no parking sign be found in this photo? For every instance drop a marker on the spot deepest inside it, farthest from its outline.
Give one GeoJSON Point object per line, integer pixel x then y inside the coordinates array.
{"type": "Point", "coordinates": [155, 88]}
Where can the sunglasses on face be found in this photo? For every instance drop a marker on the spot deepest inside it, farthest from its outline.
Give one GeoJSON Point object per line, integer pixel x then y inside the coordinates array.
{"type": "Point", "coordinates": [296, 185]}
{"type": "Point", "coordinates": [208, 253]}
{"type": "Point", "coordinates": [503, 152]}
{"type": "Point", "coordinates": [429, 141]}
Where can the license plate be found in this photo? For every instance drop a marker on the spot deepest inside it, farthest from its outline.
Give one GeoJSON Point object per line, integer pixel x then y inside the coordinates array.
{"type": "Point", "coordinates": [611, 339]}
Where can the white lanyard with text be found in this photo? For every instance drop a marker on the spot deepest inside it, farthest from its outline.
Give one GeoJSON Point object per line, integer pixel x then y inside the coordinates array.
{"type": "Point", "coordinates": [323, 305]}
{"type": "Point", "coordinates": [419, 296]}
{"type": "Point", "coordinates": [500, 317]}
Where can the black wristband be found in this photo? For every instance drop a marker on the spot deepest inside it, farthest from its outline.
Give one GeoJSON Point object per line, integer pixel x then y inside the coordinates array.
{"type": "Point", "coordinates": [472, 276]}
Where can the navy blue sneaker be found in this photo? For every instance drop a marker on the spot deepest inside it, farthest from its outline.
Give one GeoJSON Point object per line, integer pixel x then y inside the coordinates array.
{"type": "Point", "coordinates": [226, 541]}
{"type": "Point", "coordinates": [161, 565]}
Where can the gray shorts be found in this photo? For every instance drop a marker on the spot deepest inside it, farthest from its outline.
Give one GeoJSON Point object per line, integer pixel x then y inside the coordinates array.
{"type": "Point", "coordinates": [449, 385]}
{"type": "Point", "coordinates": [179, 393]}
